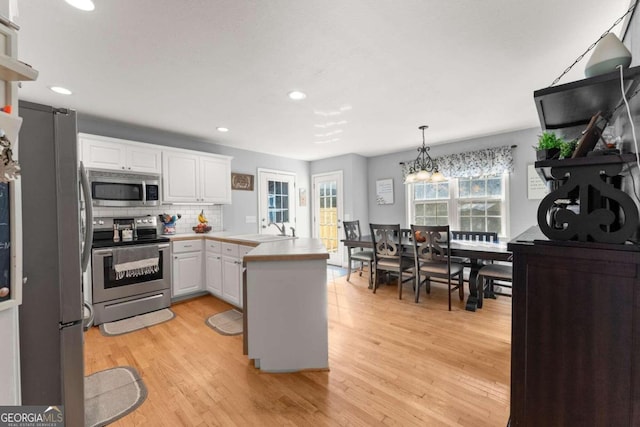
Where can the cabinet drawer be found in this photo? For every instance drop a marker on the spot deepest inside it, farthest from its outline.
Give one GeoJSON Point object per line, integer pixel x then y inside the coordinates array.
{"type": "Point", "coordinates": [230, 249]}
{"type": "Point", "coordinates": [243, 250]}
{"type": "Point", "coordinates": [187, 246]}
{"type": "Point", "coordinates": [213, 246]}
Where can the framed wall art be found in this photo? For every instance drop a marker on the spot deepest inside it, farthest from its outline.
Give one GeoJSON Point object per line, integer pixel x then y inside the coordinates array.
{"type": "Point", "coordinates": [302, 197]}
{"type": "Point", "coordinates": [384, 191]}
{"type": "Point", "coordinates": [536, 187]}
{"type": "Point", "coordinates": [241, 181]}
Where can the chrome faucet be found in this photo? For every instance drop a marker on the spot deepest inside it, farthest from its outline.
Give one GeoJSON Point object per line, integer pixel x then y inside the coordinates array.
{"type": "Point", "coordinates": [282, 230]}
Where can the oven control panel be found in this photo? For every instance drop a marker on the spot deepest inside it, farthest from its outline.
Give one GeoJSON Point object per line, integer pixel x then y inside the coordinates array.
{"type": "Point", "coordinates": [107, 223]}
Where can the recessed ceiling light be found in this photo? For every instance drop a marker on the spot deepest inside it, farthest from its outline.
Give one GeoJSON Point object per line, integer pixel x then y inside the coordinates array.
{"type": "Point", "coordinates": [86, 5]}
{"type": "Point", "coordinates": [297, 95]}
{"type": "Point", "coordinates": [221, 129]}
{"type": "Point", "coordinates": [60, 90]}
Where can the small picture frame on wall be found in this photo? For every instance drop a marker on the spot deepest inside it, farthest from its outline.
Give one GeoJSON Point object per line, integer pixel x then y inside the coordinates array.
{"type": "Point", "coordinates": [241, 181]}
{"type": "Point", "coordinates": [384, 191]}
{"type": "Point", "coordinates": [536, 187]}
{"type": "Point", "coordinates": [302, 197]}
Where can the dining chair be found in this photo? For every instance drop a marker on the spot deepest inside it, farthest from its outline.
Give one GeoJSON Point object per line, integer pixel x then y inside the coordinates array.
{"type": "Point", "coordinates": [472, 236]}
{"type": "Point", "coordinates": [352, 232]}
{"type": "Point", "coordinates": [388, 254]}
{"type": "Point", "coordinates": [432, 260]}
{"type": "Point", "coordinates": [489, 273]}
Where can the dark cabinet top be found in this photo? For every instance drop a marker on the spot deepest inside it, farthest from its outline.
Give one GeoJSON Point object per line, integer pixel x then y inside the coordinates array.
{"type": "Point", "coordinates": [568, 108]}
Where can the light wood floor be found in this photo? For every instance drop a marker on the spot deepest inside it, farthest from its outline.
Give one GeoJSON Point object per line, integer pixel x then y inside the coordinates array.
{"type": "Point", "coordinates": [391, 362]}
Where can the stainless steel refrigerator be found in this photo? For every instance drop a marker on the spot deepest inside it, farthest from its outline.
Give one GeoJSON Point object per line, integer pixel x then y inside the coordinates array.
{"type": "Point", "coordinates": [51, 314]}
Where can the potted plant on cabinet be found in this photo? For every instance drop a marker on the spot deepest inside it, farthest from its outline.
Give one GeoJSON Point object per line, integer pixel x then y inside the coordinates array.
{"type": "Point", "coordinates": [550, 146]}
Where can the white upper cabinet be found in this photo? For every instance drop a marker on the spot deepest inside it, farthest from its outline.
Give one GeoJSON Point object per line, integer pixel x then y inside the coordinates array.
{"type": "Point", "coordinates": [215, 179]}
{"type": "Point", "coordinates": [193, 177]}
{"type": "Point", "coordinates": [117, 154]}
{"type": "Point", "coordinates": [181, 177]}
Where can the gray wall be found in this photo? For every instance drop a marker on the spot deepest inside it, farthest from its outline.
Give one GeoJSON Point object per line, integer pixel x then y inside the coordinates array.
{"type": "Point", "coordinates": [359, 174]}
{"type": "Point", "coordinates": [522, 211]}
{"type": "Point", "coordinates": [244, 203]}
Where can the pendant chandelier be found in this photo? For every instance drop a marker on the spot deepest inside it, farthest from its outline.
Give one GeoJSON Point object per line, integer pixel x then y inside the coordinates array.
{"type": "Point", "coordinates": [423, 168]}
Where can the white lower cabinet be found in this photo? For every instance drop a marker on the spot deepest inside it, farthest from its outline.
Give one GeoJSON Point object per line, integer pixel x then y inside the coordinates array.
{"type": "Point", "coordinates": [213, 267]}
{"type": "Point", "coordinates": [187, 267]}
{"type": "Point", "coordinates": [232, 280]}
{"type": "Point", "coordinates": [220, 274]}
{"type": "Point", "coordinates": [232, 272]}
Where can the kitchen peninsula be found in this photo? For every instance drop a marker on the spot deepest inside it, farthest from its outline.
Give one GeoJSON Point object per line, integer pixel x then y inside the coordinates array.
{"type": "Point", "coordinates": [283, 293]}
{"type": "Point", "coordinates": [285, 300]}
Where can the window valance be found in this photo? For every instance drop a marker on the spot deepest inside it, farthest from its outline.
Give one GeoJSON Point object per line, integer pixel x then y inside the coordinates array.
{"type": "Point", "coordinates": [489, 161]}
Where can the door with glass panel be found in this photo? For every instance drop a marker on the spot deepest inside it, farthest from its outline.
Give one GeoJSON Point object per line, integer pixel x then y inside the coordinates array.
{"type": "Point", "coordinates": [327, 213]}
{"type": "Point", "coordinates": [277, 202]}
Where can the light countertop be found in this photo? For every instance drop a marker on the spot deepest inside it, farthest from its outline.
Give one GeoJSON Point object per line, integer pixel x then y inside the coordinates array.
{"type": "Point", "coordinates": [288, 250]}
{"type": "Point", "coordinates": [267, 247]}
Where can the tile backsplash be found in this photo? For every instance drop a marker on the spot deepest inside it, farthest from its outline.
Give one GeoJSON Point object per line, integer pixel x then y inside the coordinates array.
{"type": "Point", "coordinates": [189, 215]}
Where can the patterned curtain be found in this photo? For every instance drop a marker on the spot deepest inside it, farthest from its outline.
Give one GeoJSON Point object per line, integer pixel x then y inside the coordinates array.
{"type": "Point", "coordinates": [490, 161]}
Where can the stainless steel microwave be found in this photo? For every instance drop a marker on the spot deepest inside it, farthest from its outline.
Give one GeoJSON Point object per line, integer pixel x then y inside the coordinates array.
{"type": "Point", "coordinates": [123, 189]}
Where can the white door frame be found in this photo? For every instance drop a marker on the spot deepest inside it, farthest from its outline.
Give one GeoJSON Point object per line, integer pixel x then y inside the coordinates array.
{"type": "Point", "coordinates": [337, 257]}
{"type": "Point", "coordinates": [263, 227]}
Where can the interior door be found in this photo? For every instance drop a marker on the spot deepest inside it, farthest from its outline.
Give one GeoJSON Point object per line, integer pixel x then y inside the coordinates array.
{"type": "Point", "coordinates": [327, 213]}
{"type": "Point", "coordinates": [277, 203]}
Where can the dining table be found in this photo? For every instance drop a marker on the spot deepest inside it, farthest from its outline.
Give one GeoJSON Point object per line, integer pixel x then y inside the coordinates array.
{"type": "Point", "coordinates": [476, 251]}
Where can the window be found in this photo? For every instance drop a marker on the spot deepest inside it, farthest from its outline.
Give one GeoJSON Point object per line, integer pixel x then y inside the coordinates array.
{"type": "Point", "coordinates": [278, 199]}
{"type": "Point", "coordinates": [474, 204]}
{"type": "Point", "coordinates": [431, 203]}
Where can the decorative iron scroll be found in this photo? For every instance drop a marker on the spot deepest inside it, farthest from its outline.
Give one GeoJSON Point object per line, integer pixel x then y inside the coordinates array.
{"type": "Point", "coordinates": [607, 214]}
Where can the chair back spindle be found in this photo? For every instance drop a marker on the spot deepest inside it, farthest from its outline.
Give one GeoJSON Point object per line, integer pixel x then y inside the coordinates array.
{"type": "Point", "coordinates": [475, 236]}
{"type": "Point", "coordinates": [352, 229]}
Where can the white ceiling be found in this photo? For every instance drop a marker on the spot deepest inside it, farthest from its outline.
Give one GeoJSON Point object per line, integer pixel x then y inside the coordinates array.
{"type": "Point", "coordinates": [376, 69]}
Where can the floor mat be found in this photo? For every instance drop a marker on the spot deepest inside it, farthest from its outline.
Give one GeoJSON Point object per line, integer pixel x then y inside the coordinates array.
{"type": "Point", "coordinates": [134, 323]}
{"type": "Point", "coordinates": [111, 394]}
{"type": "Point", "coordinates": [226, 323]}
{"type": "Point", "coordinates": [336, 271]}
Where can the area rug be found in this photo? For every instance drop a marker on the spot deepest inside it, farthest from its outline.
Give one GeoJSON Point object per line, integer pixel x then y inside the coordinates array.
{"type": "Point", "coordinates": [226, 323]}
{"type": "Point", "coordinates": [111, 394]}
{"type": "Point", "coordinates": [134, 323]}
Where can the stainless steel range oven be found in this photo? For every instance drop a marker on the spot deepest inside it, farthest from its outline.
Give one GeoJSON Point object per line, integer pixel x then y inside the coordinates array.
{"type": "Point", "coordinates": [131, 268]}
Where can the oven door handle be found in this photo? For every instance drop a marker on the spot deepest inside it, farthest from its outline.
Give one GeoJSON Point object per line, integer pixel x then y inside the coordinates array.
{"type": "Point", "coordinates": [109, 251]}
